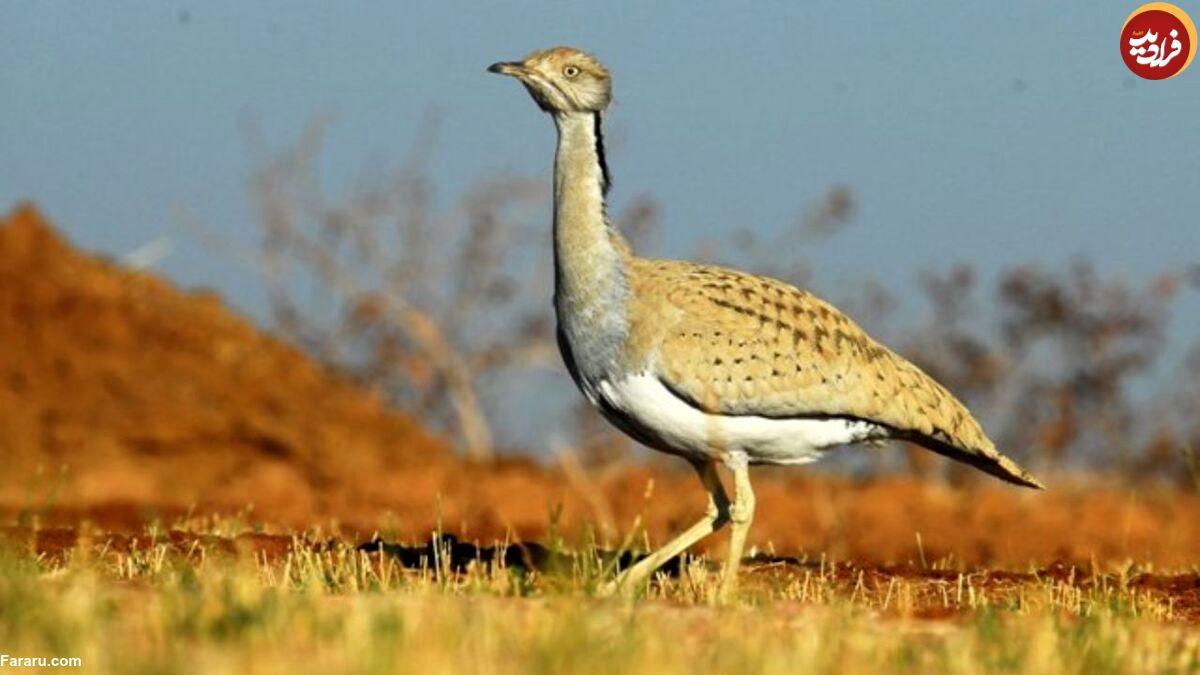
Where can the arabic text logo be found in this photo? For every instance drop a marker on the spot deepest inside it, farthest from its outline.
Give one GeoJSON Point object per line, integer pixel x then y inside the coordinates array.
{"type": "Point", "coordinates": [1158, 41]}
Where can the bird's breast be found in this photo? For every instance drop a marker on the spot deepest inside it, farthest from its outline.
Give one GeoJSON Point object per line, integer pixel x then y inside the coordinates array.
{"type": "Point", "coordinates": [591, 337]}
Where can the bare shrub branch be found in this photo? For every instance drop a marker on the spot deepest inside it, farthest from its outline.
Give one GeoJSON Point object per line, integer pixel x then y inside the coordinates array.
{"type": "Point", "coordinates": [414, 302]}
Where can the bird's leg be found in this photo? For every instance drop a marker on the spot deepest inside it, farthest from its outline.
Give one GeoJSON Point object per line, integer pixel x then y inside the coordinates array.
{"type": "Point", "coordinates": [741, 515]}
{"type": "Point", "coordinates": [715, 517]}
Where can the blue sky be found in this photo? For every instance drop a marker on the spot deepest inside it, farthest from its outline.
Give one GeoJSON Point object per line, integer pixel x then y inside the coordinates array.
{"type": "Point", "coordinates": [989, 133]}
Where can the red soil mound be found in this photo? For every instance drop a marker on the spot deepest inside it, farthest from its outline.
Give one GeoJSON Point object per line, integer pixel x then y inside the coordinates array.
{"type": "Point", "coordinates": [122, 397]}
{"type": "Point", "coordinates": [117, 388]}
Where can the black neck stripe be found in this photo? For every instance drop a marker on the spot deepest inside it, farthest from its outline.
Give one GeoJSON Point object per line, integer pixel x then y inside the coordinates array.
{"type": "Point", "coordinates": [606, 181]}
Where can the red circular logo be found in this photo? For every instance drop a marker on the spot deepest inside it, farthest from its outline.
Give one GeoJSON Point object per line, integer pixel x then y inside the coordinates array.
{"type": "Point", "coordinates": [1158, 41]}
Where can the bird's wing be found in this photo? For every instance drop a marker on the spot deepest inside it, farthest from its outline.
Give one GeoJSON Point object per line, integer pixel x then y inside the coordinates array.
{"type": "Point", "coordinates": [731, 343]}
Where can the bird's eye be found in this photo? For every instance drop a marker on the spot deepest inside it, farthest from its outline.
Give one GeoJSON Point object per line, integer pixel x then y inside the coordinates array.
{"type": "Point", "coordinates": [570, 71]}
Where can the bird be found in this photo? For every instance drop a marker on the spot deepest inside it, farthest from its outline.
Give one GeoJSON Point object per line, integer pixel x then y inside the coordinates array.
{"type": "Point", "coordinates": [717, 366]}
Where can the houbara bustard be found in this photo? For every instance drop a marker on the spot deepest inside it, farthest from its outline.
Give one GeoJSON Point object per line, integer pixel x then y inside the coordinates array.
{"type": "Point", "coordinates": [709, 363]}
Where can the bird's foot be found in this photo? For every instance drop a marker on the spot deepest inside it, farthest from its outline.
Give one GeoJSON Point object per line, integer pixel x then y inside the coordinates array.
{"type": "Point", "coordinates": [620, 586]}
{"type": "Point", "coordinates": [727, 591]}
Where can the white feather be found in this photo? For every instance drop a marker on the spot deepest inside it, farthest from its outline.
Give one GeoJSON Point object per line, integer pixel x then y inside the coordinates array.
{"type": "Point", "coordinates": [648, 402]}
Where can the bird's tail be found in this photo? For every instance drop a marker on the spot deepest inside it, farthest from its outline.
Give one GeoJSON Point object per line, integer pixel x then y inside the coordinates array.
{"type": "Point", "coordinates": [989, 460]}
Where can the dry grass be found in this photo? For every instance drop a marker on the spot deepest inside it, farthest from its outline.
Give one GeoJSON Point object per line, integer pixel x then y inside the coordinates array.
{"type": "Point", "coordinates": [200, 605]}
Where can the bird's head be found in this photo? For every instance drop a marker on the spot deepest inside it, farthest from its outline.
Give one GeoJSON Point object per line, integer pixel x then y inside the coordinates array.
{"type": "Point", "coordinates": [562, 79]}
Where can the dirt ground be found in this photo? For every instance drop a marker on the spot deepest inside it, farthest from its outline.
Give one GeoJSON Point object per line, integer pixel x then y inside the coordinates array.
{"type": "Point", "coordinates": [927, 588]}
{"type": "Point", "coordinates": [124, 399]}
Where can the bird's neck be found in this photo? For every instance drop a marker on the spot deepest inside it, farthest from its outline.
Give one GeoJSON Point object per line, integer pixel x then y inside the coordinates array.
{"type": "Point", "coordinates": [591, 258]}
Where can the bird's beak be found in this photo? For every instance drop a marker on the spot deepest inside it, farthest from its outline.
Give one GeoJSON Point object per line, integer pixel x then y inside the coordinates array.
{"type": "Point", "coordinates": [507, 68]}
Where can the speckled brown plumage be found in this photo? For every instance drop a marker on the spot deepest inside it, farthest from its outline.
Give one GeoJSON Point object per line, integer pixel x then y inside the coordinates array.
{"type": "Point", "coordinates": [738, 344]}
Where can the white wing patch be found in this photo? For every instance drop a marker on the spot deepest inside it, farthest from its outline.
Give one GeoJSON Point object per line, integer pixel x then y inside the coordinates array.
{"type": "Point", "coordinates": [763, 440]}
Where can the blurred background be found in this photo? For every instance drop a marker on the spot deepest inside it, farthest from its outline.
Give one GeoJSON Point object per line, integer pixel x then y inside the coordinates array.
{"type": "Point", "coordinates": [984, 187]}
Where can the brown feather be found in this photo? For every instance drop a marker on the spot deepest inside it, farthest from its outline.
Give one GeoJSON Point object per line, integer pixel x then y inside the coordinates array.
{"type": "Point", "coordinates": [740, 344]}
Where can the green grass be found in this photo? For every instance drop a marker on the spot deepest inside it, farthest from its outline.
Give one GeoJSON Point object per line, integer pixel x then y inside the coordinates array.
{"type": "Point", "coordinates": [333, 609]}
